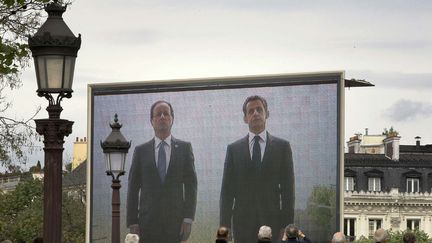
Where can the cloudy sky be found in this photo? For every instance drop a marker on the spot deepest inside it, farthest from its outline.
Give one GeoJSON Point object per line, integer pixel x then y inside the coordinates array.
{"type": "Point", "coordinates": [388, 43]}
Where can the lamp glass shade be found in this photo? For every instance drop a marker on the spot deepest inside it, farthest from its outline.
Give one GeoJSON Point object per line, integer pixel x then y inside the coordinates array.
{"type": "Point", "coordinates": [54, 71]}
{"type": "Point", "coordinates": [68, 71]}
{"type": "Point", "coordinates": [115, 162]}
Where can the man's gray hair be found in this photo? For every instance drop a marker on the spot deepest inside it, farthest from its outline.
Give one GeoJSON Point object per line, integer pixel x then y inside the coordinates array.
{"type": "Point", "coordinates": [265, 233]}
{"type": "Point", "coordinates": [381, 236]}
{"type": "Point", "coordinates": [132, 238]}
{"type": "Point", "coordinates": [339, 237]}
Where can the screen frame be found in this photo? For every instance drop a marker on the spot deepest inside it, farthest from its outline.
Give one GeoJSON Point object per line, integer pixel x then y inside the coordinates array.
{"type": "Point", "coordinates": [217, 83]}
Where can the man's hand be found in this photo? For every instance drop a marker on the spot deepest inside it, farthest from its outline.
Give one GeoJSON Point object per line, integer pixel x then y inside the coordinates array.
{"type": "Point", "coordinates": [185, 231]}
{"type": "Point", "coordinates": [134, 229]}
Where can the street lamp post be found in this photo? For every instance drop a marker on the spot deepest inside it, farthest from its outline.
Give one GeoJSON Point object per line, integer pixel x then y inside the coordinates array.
{"type": "Point", "coordinates": [115, 148]}
{"type": "Point", "coordinates": [54, 49]}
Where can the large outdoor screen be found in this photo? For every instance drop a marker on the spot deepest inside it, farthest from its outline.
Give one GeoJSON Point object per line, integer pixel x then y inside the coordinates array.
{"type": "Point", "coordinates": [209, 174]}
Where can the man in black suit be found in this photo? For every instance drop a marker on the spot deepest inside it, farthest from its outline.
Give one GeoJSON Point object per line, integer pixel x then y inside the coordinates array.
{"type": "Point", "coordinates": [258, 178]}
{"type": "Point", "coordinates": [162, 189]}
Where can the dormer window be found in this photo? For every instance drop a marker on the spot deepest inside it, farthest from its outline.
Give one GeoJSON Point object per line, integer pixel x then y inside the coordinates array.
{"type": "Point", "coordinates": [413, 185]}
{"type": "Point", "coordinates": [374, 184]}
{"type": "Point", "coordinates": [412, 181]}
{"type": "Point", "coordinates": [349, 183]}
{"type": "Point", "coordinates": [350, 180]}
{"type": "Point", "coordinates": [374, 180]}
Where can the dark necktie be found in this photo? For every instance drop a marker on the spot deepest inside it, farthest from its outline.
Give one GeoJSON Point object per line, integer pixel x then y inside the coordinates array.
{"type": "Point", "coordinates": [162, 161]}
{"type": "Point", "coordinates": [256, 152]}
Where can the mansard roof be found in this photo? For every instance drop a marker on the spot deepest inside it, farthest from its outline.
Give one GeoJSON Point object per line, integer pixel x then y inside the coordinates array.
{"type": "Point", "coordinates": [374, 173]}
{"type": "Point", "coordinates": [416, 149]}
{"type": "Point", "coordinates": [350, 173]}
{"type": "Point", "coordinates": [77, 177]}
{"type": "Point", "coordinates": [380, 160]}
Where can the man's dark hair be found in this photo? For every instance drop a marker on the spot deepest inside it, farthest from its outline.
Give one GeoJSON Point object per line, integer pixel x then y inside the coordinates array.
{"type": "Point", "coordinates": [158, 102]}
{"type": "Point", "coordinates": [222, 233]}
{"type": "Point", "coordinates": [252, 98]}
{"type": "Point", "coordinates": [291, 231]}
{"type": "Point", "coordinates": [409, 237]}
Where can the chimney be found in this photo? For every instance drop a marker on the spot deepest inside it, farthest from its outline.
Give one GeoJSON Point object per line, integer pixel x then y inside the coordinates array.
{"type": "Point", "coordinates": [366, 131]}
{"type": "Point", "coordinates": [354, 144]}
{"type": "Point", "coordinates": [77, 138]}
{"type": "Point", "coordinates": [417, 142]}
{"type": "Point", "coordinates": [391, 147]}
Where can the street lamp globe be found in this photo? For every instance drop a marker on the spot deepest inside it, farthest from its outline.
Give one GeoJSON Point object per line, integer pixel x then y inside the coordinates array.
{"type": "Point", "coordinates": [54, 48]}
{"type": "Point", "coordinates": [115, 147]}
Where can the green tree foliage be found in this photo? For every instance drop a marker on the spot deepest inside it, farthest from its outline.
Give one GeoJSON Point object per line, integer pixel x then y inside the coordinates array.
{"type": "Point", "coordinates": [21, 211]}
{"type": "Point", "coordinates": [390, 132]}
{"type": "Point", "coordinates": [322, 209]}
{"type": "Point", "coordinates": [22, 214]}
{"type": "Point", "coordinates": [73, 219]}
{"type": "Point", "coordinates": [397, 237]}
{"type": "Point", "coordinates": [18, 20]}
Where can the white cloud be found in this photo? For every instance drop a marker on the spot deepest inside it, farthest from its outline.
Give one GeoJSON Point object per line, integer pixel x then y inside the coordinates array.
{"type": "Point", "coordinates": [405, 110]}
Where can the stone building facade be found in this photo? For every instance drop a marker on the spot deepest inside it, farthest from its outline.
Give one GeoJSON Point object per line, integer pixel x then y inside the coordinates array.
{"type": "Point", "coordinates": [387, 185]}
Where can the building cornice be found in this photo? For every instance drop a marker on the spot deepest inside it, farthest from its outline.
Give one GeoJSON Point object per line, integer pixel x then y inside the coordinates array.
{"type": "Point", "coordinates": [392, 198]}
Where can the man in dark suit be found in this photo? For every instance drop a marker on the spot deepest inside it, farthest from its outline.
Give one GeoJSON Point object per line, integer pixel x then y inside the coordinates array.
{"type": "Point", "coordinates": [258, 178]}
{"type": "Point", "coordinates": [162, 189]}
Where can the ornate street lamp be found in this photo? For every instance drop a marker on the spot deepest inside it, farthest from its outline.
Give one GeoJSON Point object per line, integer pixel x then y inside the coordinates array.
{"type": "Point", "coordinates": [54, 48]}
{"type": "Point", "coordinates": [115, 148]}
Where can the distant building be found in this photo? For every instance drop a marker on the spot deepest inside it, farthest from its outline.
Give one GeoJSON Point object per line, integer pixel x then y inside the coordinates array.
{"type": "Point", "coordinates": [37, 171]}
{"type": "Point", "coordinates": [79, 152]}
{"type": "Point", "coordinates": [9, 181]}
{"type": "Point", "coordinates": [74, 183]}
{"type": "Point", "coordinates": [387, 185]}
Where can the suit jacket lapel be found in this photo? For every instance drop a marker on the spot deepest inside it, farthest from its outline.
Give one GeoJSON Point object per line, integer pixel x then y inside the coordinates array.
{"type": "Point", "coordinates": [150, 151]}
{"type": "Point", "coordinates": [267, 152]}
{"type": "Point", "coordinates": [173, 157]}
{"type": "Point", "coordinates": [245, 150]}
{"type": "Point", "coordinates": [152, 160]}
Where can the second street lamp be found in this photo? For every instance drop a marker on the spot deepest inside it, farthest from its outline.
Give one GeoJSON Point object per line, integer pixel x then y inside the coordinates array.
{"type": "Point", "coordinates": [115, 148]}
{"type": "Point", "coordinates": [54, 49]}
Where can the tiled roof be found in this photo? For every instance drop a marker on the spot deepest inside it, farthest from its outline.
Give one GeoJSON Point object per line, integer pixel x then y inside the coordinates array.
{"type": "Point", "coordinates": [380, 160]}
{"type": "Point", "coordinates": [415, 149]}
{"type": "Point", "coordinates": [77, 177]}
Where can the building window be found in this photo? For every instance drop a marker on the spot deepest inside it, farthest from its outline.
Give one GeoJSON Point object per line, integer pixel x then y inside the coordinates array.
{"type": "Point", "coordinates": [430, 181]}
{"type": "Point", "coordinates": [413, 224]}
{"type": "Point", "coordinates": [349, 183]}
{"type": "Point", "coordinates": [413, 185]}
{"type": "Point", "coordinates": [374, 184]}
{"type": "Point", "coordinates": [349, 229]}
{"type": "Point", "coordinates": [374, 224]}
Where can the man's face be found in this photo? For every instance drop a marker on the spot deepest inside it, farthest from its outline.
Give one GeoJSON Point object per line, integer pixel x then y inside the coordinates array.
{"type": "Point", "coordinates": [256, 116]}
{"type": "Point", "coordinates": [162, 119]}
